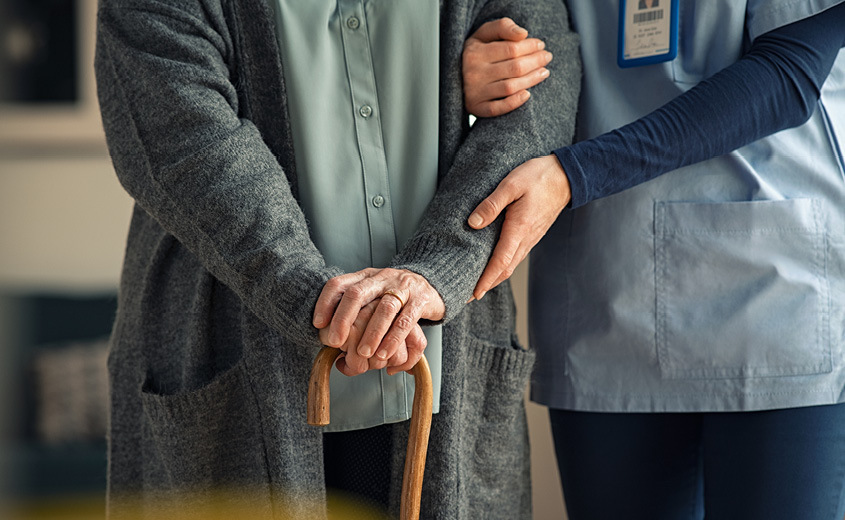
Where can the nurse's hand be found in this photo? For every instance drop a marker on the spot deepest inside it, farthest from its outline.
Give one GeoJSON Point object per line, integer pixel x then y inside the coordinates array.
{"type": "Point", "coordinates": [500, 64]}
{"type": "Point", "coordinates": [532, 196]}
{"type": "Point", "coordinates": [404, 298]}
{"type": "Point", "coordinates": [351, 363]}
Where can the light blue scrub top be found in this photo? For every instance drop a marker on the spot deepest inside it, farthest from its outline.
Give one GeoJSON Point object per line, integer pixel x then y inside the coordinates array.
{"type": "Point", "coordinates": [715, 287]}
{"type": "Point", "coordinates": [362, 90]}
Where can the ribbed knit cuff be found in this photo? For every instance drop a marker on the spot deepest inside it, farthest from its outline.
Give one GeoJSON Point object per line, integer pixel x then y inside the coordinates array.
{"type": "Point", "coordinates": [444, 270]}
{"type": "Point", "coordinates": [288, 302]}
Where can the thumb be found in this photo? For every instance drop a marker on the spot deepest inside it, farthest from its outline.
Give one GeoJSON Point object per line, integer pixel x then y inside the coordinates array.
{"type": "Point", "coordinates": [490, 208]}
{"type": "Point", "coordinates": [501, 29]}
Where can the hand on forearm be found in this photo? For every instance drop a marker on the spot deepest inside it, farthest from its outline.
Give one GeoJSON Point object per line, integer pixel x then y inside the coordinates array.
{"type": "Point", "coordinates": [532, 196]}
{"type": "Point", "coordinates": [394, 299]}
{"type": "Point", "coordinates": [499, 65]}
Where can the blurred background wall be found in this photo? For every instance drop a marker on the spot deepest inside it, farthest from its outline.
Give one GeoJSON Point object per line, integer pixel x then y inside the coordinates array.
{"type": "Point", "coordinates": [63, 222]}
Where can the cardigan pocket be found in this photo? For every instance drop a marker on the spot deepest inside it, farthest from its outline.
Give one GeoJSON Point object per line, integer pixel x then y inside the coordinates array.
{"type": "Point", "coordinates": [741, 289]}
{"type": "Point", "coordinates": [496, 428]}
{"type": "Point", "coordinates": [209, 441]}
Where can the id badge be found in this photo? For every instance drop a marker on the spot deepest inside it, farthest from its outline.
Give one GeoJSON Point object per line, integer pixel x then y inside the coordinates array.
{"type": "Point", "coordinates": [648, 32]}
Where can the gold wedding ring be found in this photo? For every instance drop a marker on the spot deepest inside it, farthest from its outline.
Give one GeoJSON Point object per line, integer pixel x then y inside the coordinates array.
{"type": "Point", "coordinates": [395, 295]}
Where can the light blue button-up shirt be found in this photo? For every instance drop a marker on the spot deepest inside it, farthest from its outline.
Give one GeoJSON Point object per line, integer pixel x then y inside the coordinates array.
{"type": "Point", "coordinates": [716, 287]}
{"type": "Point", "coordinates": [362, 87]}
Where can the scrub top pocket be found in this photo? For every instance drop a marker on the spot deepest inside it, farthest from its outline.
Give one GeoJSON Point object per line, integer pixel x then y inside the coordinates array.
{"type": "Point", "coordinates": [741, 289]}
{"type": "Point", "coordinates": [710, 38]}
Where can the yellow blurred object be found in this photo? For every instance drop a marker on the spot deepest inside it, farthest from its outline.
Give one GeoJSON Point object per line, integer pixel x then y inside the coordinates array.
{"type": "Point", "coordinates": [58, 508]}
{"type": "Point", "coordinates": [205, 506]}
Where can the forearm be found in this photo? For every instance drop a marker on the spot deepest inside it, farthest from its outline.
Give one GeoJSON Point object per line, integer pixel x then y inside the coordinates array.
{"type": "Point", "coordinates": [205, 175]}
{"type": "Point", "coordinates": [773, 87]}
{"type": "Point", "coordinates": [445, 250]}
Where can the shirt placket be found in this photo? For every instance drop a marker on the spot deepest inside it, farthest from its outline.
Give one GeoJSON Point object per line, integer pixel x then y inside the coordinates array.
{"type": "Point", "coordinates": [365, 107]}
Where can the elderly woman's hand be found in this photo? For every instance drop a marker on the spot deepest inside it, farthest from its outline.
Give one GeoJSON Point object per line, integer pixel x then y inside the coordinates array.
{"type": "Point", "coordinates": [404, 298]}
{"type": "Point", "coordinates": [351, 363]}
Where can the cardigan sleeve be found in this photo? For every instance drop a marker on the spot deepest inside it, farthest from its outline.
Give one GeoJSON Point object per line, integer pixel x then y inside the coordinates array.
{"type": "Point", "coordinates": [170, 112]}
{"type": "Point", "coordinates": [774, 86]}
{"type": "Point", "coordinates": [445, 250]}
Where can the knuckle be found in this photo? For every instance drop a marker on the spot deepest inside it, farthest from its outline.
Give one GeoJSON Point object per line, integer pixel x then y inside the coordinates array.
{"type": "Point", "coordinates": [400, 358]}
{"type": "Point", "coordinates": [510, 87]}
{"type": "Point", "coordinates": [377, 364]}
{"type": "Point", "coordinates": [419, 343]}
{"type": "Point", "coordinates": [404, 322]}
{"type": "Point", "coordinates": [356, 293]}
{"type": "Point", "coordinates": [389, 272]}
{"type": "Point", "coordinates": [408, 279]}
{"type": "Point", "coordinates": [511, 50]}
{"type": "Point", "coordinates": [513, 185]}
{"type": "Point", "coordinates": [391, 304]}
{"type": "Point", "coordinates": [512, 103]}
{"type": "Point", "coordinates": [516, 68]}
{"type": "Point", "coordinates": [504, 260]}
{"type": "Point", "coordinates": [503, 23]}
{"type": "Point", "coordinates": [390, 343]}
{"type": "Point", "coordinates": [497, 111]}
{"type": "Point", "coordinates": [489, 206]}
{"type": "Point", "coordinates": [472, 55]}
{"type": "Point", "coordinates": [521, 221]}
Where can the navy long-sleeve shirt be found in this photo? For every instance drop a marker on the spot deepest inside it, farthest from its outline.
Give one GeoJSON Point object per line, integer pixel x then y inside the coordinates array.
{"type": "Point", "coordinates": [774, 86]}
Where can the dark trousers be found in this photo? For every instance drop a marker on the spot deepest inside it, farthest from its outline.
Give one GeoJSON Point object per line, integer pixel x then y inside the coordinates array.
{"type": "Point", "coordinates": [771, 465]}
{"type": "Point", "coordinates": [357, 468]}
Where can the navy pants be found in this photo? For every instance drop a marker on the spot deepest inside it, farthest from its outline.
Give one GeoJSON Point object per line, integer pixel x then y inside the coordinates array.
{"type": "Point", "coordinates": [771, 465]}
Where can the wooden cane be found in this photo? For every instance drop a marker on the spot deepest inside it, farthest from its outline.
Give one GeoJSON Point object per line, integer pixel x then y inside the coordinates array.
{"type": "Point", "coordinates": [318, 415]}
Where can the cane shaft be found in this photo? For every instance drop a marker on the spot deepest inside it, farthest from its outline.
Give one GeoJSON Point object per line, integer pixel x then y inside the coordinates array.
{"type": "Point", "coordinates": [318, 415]}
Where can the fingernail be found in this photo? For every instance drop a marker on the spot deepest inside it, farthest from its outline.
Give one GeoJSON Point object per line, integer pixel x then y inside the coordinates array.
{"type": "Point", "coordinates": [365, 351]}
{"type": "Point", "coordinates": [475, 220]}
{"type": "Point", "coordinates": [518, 30]}
{"type": "Point", "coordinates": [318, 320]}
{"type": "Point", "coordinates": [524, 95]}
{"type": "Point", "coordinates": [544, 73]}
{"type": "Point", "coordinates": [482, 295]}
{"type": "Point", "coordinates": [541, 45]}
{"type": "Point", "coordinates": [549, 56]}
{"type": "Point", "coordinates": [471, 300]}
{"type": "Point", "coordinates": [382, 355]}
{"type": "Point", "coordinates": [334, 338]}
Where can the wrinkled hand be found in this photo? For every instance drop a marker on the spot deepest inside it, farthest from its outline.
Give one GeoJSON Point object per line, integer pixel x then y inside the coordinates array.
{"type": "Point", "coordinates": [392, 321]}
{"type": "Point", "coordinates": [533, 194]}
{"type": "Point", "coordinates": [351, 363]}
{"type": "Point", "coordinates": [500, 63]}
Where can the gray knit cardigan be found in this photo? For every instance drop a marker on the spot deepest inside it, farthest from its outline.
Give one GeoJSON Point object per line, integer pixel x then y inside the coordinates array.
{"type": "Point", "coordinates": [213, 342]}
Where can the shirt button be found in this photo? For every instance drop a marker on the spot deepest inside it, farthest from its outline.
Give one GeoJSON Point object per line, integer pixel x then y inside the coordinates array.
{"type": "Point", "coordinates": [353, 22]}
{"type": "Point", "coordinates": [378, 201]}
{"type": "Point", "coordinates": [366, 111]}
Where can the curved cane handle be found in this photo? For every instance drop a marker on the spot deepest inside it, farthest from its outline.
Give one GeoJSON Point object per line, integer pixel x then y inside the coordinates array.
{"type": "Point", "coordinates": [318, 386]}
{"type": "Point", "coordinates": [318, 415]}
